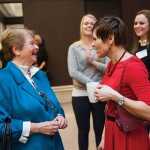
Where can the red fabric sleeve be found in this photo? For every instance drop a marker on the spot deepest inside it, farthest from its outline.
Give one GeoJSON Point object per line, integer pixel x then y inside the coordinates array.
{"type": "Point", "coordinates": [136, 76]}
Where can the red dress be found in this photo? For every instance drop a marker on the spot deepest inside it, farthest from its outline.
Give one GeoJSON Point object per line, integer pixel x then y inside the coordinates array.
{"type": "Point", "coordinates": [135, 85]}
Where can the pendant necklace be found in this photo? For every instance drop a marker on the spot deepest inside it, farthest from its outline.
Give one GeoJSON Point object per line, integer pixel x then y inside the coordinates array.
{"type": "Point", "coordinates": [110, 72]}
{"type": "Point", "coordinates": [143, 43]}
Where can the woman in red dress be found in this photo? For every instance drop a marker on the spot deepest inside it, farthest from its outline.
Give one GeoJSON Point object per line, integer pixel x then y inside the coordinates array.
{"type": "Point", "coordinates": [110, 40]}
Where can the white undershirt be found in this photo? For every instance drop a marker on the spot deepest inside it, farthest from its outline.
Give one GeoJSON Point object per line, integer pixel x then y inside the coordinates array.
{"type": "Point", "coordinates": [26, 124]}
{"type": "Point", "coordinates": [79, 92]}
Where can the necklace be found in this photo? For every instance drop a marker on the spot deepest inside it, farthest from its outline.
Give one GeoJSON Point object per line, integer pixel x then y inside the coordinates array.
{"type": "Point", "coordinates": [143, 42]}
{"type": "Point", "coordinates": [29, 73]}
{"type": "Point", "coordinates": [110, 72]}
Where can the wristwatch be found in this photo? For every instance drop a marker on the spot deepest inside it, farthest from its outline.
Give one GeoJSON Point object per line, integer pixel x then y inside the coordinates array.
{"type": "Point", "coordinates": [121, 101]}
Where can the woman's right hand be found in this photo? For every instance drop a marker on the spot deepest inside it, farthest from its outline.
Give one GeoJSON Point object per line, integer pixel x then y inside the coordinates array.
{"type": "Point", "coordinates": [89, 56]}
{"type": "Point", "coordinates": [48, 127]}
{"type": "Point", "coordinates": [101, 145]}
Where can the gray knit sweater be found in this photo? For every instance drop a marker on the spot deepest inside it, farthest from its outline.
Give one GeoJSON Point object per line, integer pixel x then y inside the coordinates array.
{"type": "Point", "coordinates": [81, 70]}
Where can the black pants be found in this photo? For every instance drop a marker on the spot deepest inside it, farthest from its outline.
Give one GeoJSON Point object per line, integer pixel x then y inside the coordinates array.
{"type": "Point", "coordinates": [82, 109]}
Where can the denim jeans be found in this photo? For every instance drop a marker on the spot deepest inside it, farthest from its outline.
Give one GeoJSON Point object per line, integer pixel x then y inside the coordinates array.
{"type": "Point", "coordinates": [82, 109]}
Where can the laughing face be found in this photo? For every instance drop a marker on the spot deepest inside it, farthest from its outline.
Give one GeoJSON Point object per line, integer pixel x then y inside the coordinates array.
{"type": "Point", "coordinates": [101, 46]}
{"type": "Point", "coordinates": [87, 25]}
{"type": "Point", "coordinates": [141, 26]}
{"type": "Point", "coordinates": [28, 54]}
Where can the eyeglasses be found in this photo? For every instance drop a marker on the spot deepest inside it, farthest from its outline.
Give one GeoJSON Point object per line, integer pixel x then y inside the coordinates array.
{"type": "Point", "coordinates": [43, 95]}
{"type": "Point", "coordinates": [48, 101]}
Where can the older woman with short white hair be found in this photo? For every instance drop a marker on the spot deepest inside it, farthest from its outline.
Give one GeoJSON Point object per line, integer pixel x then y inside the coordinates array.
{"type": "Point", "coordinates": [26, 97]}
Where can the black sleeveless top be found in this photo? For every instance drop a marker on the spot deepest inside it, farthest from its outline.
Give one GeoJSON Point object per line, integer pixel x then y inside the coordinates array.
{"type": "Point", "coordinates": [146, 59]}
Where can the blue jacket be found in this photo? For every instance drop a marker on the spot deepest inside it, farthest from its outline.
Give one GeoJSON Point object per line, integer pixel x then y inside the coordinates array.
{"type": "Point", "coordinates": [21, 102]}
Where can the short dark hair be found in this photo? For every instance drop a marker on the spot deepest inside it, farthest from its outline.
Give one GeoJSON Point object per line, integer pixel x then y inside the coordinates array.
{"type": "Point", "coordinates": [111, 25]}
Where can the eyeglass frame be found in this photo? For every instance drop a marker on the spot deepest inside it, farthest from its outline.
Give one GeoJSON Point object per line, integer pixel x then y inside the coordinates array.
{"type": "Point", "coordinates": [48, 101]}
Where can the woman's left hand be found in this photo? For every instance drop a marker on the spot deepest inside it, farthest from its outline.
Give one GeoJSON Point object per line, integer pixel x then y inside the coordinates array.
{"type": "Point", "coordinates": [105, 93]}
{"type": "Point", "coordinates": [62, 121]}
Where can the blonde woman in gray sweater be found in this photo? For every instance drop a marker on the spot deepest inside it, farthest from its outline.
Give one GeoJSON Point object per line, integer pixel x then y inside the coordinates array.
{"type": "Point", "coordinates": [84, 66]}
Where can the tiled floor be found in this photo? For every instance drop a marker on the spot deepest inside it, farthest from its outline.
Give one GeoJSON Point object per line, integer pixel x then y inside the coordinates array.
{"type": "Point", "coordinates": [69, 135]}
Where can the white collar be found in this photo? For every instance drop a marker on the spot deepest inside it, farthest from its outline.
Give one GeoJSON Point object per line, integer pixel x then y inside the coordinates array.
{"type": "Point", "coordinates": [25, 69]}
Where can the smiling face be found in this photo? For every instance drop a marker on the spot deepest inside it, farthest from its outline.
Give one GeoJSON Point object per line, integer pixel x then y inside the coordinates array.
{"type": "Point", "coordinates": [27, 55]}
{"type": "Point", "coordinates": [18, 46]}
{"type": "Point", "coordinates": [109, 32]}
{"type": "Point", "coordinates": [141, 26]}
{"type": "Point", "coordinates": [86, 25]}
{"type": "Point", "coordinates": [101, 46]}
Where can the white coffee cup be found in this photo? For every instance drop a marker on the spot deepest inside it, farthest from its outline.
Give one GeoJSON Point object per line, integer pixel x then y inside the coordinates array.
{"type": "Point", "coordinates": [91, 86]}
